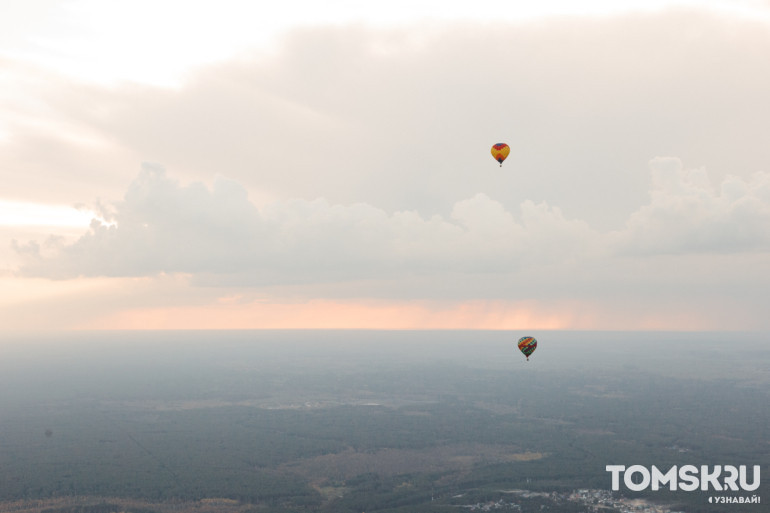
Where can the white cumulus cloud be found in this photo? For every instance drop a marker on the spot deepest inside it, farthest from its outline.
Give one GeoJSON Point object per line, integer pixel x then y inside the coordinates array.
{"type": "Point", "coordinates": [688, 213]}
{"type": "Point", "coordinates": [162, 226]}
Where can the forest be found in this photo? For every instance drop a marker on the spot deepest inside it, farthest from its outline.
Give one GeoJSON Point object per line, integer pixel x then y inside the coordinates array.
{"type": "Point", "coordinates": [306, 427]}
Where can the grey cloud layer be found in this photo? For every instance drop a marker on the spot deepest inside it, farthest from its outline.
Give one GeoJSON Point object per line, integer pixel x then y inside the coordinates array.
{"type": "Point", "coordinates": [403, 119]}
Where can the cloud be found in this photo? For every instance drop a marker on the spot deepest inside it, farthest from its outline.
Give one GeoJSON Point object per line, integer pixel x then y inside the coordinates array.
{"type": "Point", "coordinates": [186, 248]}
{"type": "Point", "coordinates": [162, 226]}
{"type": "Point", "coordinates": [403, 118]}
{"type": "Point", "coordinates": [358, 167]}
{"type": "Point", "coordinates": [220, 237]}
{"type": "Point", "coordinates": [687, 213]}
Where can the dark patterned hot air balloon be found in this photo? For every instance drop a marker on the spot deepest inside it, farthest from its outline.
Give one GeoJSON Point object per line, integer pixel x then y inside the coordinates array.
{"type": "Point", "coordinates": [527, 345]}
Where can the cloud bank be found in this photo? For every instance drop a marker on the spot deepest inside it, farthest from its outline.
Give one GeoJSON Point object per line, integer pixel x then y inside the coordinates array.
{"type": "Point", "coordinates": [687, 213]}
{"type": "Point", "coordinates": [162, 226]}
{"type": "Point", "coordinates": [218, 237]}
{"type": "Point", "coordinates": [401, 118]}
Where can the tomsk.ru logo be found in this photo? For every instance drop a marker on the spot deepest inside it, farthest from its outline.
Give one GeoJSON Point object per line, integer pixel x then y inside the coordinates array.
{"type": "Point", "coordinates": [687, 477]}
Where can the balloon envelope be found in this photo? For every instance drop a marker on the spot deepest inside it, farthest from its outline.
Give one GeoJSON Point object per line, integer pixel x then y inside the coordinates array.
{"type": "Point", "coordinates": [500, 151]}
{"type": "Point", "coordinates": [527, 345]}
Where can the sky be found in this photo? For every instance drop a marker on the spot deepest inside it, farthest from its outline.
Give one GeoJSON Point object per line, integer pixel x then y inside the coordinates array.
{"type": "Point", "coordinates": [236, 165]}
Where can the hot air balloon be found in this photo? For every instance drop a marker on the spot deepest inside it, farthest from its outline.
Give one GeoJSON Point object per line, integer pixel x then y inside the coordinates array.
{"type": "Point", "coordinates": [500, 151]}
{"type": "Point", "coordinates": [527, 345]}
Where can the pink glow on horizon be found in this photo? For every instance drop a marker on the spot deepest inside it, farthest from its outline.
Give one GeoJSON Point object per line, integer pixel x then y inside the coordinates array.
{"type": "Point", "coordinates": [135, 303]}
{"type": "Point", "coordinates": [327, 314]}
{"type": "Point", "coordinates": [378, 314]}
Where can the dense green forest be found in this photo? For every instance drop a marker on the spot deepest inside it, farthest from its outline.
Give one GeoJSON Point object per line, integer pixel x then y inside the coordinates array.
{"type": "Point", "coordinates": [303, 424]}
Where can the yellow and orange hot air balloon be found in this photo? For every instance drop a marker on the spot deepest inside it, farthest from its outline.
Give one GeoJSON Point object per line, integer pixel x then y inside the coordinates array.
{"type": "Point", "coordinates": [500, 151]}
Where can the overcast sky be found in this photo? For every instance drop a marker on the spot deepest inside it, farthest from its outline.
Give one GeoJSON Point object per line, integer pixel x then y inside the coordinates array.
{"type": "Point", "coordinates": [234, 164]}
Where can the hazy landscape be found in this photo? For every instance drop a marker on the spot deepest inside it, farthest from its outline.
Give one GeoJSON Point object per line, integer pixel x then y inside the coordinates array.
{"type": "Point", "coordinates": [363, 421]}
{"type": "Point", "coordinates": [276, 257]}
